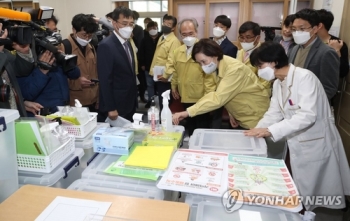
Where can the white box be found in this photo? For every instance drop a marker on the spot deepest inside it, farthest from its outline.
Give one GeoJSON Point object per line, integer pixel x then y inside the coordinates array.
{"type": "Point", "coordinates": [113, 140]}
{"type": "Point", "coordinates": [8, 155]}
{"type": "Point", "coordinates": [86, 143]}
{"type": "Point", "coordinates": [228, 141]}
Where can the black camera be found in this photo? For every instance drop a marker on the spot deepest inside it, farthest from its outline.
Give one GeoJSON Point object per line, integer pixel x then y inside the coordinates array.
{"type": "Point", "coordinates": [19, 33]}
{"type": "Point", "coordinates": [269, 32]}
{"type": "Point", "coordinates": [103, 32]}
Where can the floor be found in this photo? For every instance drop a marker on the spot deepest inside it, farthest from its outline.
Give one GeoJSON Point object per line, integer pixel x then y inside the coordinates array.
{"type": "Point", "coordinates": [322, 214]}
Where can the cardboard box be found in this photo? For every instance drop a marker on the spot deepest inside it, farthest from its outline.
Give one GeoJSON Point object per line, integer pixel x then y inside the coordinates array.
{"type": "Point", "coordinates": [113, 140]}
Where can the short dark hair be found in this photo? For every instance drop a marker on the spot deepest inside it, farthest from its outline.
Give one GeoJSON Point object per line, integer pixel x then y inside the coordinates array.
{"type": "Point", "coordinates": [109, 15]}
{"type": "Point", "coordinates": [147, 20]}
{"type": "Point", "coordinates": [208, 47]}
{"type": "Point", "coordinates": [224, 20]}
{"type": "Point", "coordinates": [326, 18]}
{"type": "Point", "coordinates": [152, 24]}
{"type": "Point", "coordinates": [249, 25]}
{"type": "Point", "coordinates": [269, 51]}
{"type": "Point", "coordinates": [136, 15]}
{"type": "Point", "coordinates": [86, 22]}
{"type": "Point", "coordinates": [172, 18]}
{"type": "Point", "coordinates": [309, 15]}
{"type": "Point", "coordinates": [122, 10]}
{"type": "Point", "coordinates": [288, 21]}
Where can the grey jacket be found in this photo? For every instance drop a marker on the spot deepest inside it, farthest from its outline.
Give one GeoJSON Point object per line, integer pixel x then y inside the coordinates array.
{"type": "Point", "coordinates": [279, 38]}
{"type": "Point", "coordinates": [323, 61]}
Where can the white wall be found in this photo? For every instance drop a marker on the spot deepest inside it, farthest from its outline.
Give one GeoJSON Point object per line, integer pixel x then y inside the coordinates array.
{"type": "Point", "coordinates": [66, 9]}
{"type": "Point", "coordinates": [336, 7]}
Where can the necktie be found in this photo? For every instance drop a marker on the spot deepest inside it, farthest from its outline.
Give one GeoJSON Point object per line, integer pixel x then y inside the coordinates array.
{"type": "Point", "coordinates": [127, 50]}
{"type": "Point", "coordinates": [246, 56]}
{"type": "Point", "coordinates": [163, 38]}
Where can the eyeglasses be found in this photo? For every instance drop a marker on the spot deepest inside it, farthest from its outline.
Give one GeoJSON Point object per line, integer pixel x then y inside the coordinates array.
{"type": "Point", "coordinates": [84, 36]}
{"type": "Point", "coordinates": [246, 38]}
{"type": "Point", "coordinates": [300, 29]}
{"type": "Point", "coordinates": [132, 25]}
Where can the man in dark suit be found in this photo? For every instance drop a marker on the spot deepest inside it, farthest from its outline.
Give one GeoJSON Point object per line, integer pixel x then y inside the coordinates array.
{"type": "Point", "coordinates": [286, 37]}
{"type": "Point", "coordinates": [311, 53]}
{"type": "Point", "coordinates": [116, 68]}
{"type": "Point", "coordinates": [222, 25]}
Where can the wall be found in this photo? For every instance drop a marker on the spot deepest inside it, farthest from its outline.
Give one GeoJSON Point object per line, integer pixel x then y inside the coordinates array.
{"type": "Point", "coordinates": [66, 9]}
{"type": "Point", "coordinates": [337, 10]}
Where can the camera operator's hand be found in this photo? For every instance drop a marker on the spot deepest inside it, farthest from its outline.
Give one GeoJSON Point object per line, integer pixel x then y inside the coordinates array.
{"type": "Point", "coordinates": [24, 49]}
{"type": "Point", "coordinates": [3, 35]}
{"type": "Point", "coordinates": [32, 107]}
{"type": "Point", "coordinates": [85, 82]}
{"type": "Point", "coordinates": [48, 58]}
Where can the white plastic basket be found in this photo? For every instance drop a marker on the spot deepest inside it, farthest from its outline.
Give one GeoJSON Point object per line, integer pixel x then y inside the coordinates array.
{"type": "Point", "coordinates": [81, 131]}
{"type": "Point", "coordinates": [45, 164]}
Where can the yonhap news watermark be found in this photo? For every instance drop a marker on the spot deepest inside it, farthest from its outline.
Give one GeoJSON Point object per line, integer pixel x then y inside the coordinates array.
{"type": "Point", "coordinates": [234, 199]}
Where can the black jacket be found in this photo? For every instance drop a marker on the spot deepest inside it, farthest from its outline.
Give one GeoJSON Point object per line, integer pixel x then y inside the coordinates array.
{"type": "Point", "coordinates": [228, 48]}
{"type": "Point", "coordinates": [146, 51]}
{"type": "Point", "coordinates": [344, 59]}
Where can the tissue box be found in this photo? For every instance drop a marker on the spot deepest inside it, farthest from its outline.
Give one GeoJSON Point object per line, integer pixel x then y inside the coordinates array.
{"type": "Point", "coordinates": [113, 140]}
{"type": "Point", "coordinates": [163, 139]}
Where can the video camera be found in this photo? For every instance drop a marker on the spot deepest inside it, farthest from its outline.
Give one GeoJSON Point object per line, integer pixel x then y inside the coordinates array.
{"type": "Point", "coordinates": [22, 30]}
{"type": "Point", "coordinates": [269, 32]}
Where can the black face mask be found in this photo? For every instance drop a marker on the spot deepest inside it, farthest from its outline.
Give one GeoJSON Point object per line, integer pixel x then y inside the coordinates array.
{"type": "Point", "coordinates": [166, 30]}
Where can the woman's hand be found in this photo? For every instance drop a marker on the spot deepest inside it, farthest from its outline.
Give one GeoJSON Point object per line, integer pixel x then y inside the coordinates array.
{"type": "Point", "coordinates": [32, 107]}
{"type": "Point", "coordinates": [258, 132]}
{"type": "Point", "coordinates": [177, 117]}
{"type": "Point", "coordinates": [234, 123]}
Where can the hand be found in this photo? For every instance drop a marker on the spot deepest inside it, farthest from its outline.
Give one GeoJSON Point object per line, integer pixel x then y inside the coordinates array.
{"type": "Point", "coordinates": [85, 82]}
{"type": "Point", "coordinates": [113, 115]}
{"type": "Point", "coordinates": [143, 68]}
{"type": "Point", "coordinates": [177, 117]}
{"type": "Point", "coordinates": [234, 123]}
{"type": "Point", "coordinates": [258, 132]}
{"type": "Point", "coordinates": [32, 107]}
{"type": "Point", "coordinates": [337, 45]}
{"type": "Point", "coordinates": [97, 105]}
{"type": "Point", "coordinates": [97, 20]}
{"type": "Point", "coordinates": [162, 79]}
{"type": "Point", "coordinates": [24, 49]}
{"type": "Point", "coordinates": [3, 36]}
{"type": "Point", "coordinates": [175, 94]}
{"type": "Point", "coordinates": [47, 58]}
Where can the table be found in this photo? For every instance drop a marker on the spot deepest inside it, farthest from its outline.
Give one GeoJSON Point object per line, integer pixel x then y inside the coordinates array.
{"type": "Point", "coordinates": [29, 201]}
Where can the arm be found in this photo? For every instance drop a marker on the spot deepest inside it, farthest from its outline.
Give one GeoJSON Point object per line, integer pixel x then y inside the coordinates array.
{"type": "Point", "coordinates": [173, 46]}
{"type": "Point", "coordinates": [229, 87]}
{"type": "Point", "coordinates": [141, 54]}
{"type": "Point", "coordinates": [104, 21]}
{"type": "Point", "coordinates": [273, 114]}
{"type": "Point", "coordinates": [304, 117]}
{"type": "Point", "coordinates": [74, 73]}
{"type": "Point", "coordinates": [329, 72]}
{"type": "Point", "coordinates": [32, 85]}
{"type": "Point", "coordinates": [170, 70]}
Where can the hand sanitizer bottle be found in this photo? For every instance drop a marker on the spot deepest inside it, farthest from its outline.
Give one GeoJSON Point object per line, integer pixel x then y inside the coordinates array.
{"type": "Point", "coordinates": [166, 115]}
{"type": "Point", "coordinates": [153, 116]}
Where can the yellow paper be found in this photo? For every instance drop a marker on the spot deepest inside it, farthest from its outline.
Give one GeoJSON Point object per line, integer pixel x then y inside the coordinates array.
{"type": "Point", "coordinates": [156, 157]}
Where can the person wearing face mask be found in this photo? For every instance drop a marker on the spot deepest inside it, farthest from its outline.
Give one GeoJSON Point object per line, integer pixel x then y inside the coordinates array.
{"type": "Point", "coordinates": [249, 38]}
{"type": "Point", "coordinates": [78, 43]}
{"type": "Point", "coordinates": [238, 88]}
{"type": "Point", "coordinates": [299, 111]}
{"type": "Point", "coordinates": [51, 23]}
{"type": "Point", "coordinates": [222, 24]}
{"type": "Point", "coordinates": [286, 38]}
{"type": "Point", "coordinates": [189, 82]}
{"type": "Point", "coordinates": [311, 53]}
{"type": "Point", "coordinates": [145, 55]}
{"type": "Point", "coordinates": [167, 43]}
{"type": "Point", "coordinates": [117, 68]}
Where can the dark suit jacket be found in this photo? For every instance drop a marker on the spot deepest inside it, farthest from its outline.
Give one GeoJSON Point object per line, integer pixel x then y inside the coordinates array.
{"type": "Point", "coordinates": [118, 90]}
{"type": "Point", "coordinates": [344, 59]}
{"type": "Point", "coordinates": [323, 61]}
{"type": "Point", "coordinates": [228, 48]}
{"type": "Point", "coordinates": [138, 33]}
{"type": "Point", "coordinates": [279, 38]}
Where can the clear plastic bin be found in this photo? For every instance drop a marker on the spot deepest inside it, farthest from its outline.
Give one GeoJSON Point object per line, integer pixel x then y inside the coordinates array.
{"type": "Point", "coordinates": [211, 209]}
{"type": "Point", "coordinates": [229, 141]}
{"type": "Point", "coordinates": [49, 179]}
{"type": "Point", "coordinates": [106, 218]}
{"type": "Point", "coordinates": [86, 143]}
{"type": "Point", "coordinates": [8, 156]}
{"type": "Point", "coordinates": [116, 188]}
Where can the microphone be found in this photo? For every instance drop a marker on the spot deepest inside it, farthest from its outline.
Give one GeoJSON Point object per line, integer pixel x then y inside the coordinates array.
{"type": "Point", "coordinates": [9, 14]}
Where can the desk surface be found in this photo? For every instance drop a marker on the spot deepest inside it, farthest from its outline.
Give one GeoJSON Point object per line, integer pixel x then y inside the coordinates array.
{"type": "Point", "coordinates": [29, 201]}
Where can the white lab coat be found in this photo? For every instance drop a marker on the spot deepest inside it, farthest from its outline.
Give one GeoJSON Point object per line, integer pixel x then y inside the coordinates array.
{"type": "Point", "coordinates": [318, 161]}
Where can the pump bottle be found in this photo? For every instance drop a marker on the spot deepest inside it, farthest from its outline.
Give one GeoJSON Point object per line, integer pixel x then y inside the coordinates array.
{"type": "Point", "coordinates": [81, 114]}
{"type": "Point", "coordinates": [166, 114]}
{"type": "Point", "coordinates": [153, 116]}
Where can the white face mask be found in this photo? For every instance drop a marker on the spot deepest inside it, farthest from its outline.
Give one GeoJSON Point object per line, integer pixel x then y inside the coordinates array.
{"type": "Point", "coordinates": [83, 42]}
{"type": "Point", "coordinates": [189, 41]}
{"type": "Point", "coordinates": [209, 68]}
{"type": "Point", "coordinates": [301, 37]}
{"type": "Point", "coordinates": [125, 32]}
{"type": "Point", "coordinates": [153, 32]}
{"type": "Point", "coordinates": [287, 38]}
{"type": "Point", "coordinates": [218, 32]}
{"type": "Point", "coordinates": [267, 73]}
{"type": "Point", "coordinates": [248, 46]}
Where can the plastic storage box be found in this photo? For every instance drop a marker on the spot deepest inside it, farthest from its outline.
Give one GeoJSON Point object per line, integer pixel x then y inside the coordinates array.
{"type": "Point", "coordinates": [8, 161]}
{"type": "Point", "coordinates": [211, 209]}
{"type": "Point", "coordinates": [86, 143]}
{"type": "Point", "coordinates": [49, 179]}
{"type": "Point", "coordinates": [229, 141]}
{"type": "Point", "coordinates": [116, 188]}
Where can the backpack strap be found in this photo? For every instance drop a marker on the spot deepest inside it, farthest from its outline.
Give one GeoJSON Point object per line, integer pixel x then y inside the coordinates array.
{"type": "Point", "coordinates": [67, 46]}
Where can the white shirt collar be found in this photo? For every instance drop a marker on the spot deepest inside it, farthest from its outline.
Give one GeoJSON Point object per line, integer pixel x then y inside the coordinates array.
{"type": "Point", "coordinates": [189, 51]}
{"type": "Point", "coordinates": [122, 40]}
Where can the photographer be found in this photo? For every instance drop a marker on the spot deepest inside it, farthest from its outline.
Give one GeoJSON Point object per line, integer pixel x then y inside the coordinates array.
{"type": "Point", "coordinates": [10, 65]}
{"type": "Point", "coordinates": [48, 86]}
{"type": "Point", "coordinates": [78, 43]}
